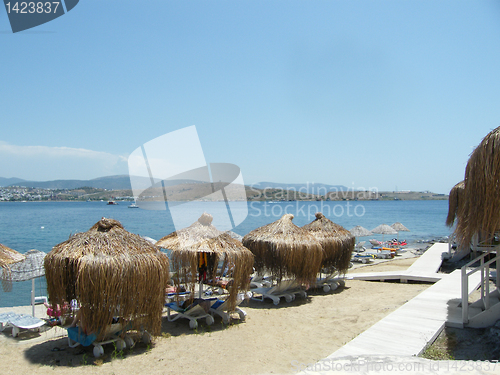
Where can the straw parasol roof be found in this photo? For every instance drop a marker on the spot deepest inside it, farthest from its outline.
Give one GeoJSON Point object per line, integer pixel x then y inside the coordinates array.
{"type": "Point", "coordinates": [202, 237]}
{"type": "Point", "coordinates": [8, 257]}
{"type": "Point", "coordinates": [398, 227]}
{"type": "Point", "coordinates": [29, 268]}
{"type": "Point", "coordinates": [199, 230]}
{"type": "Point", "coordinates": [337, 242]}
{"type": "Point", "coordinates": [384, 229]}
{"type": "Point", "coordinates": [112, 273]}
{"type": "Point", "coordinates": [286, 250]}
{"type": "Point", "coordinates": [481, 195]}
{"type": "Point", "coordinates": [455, 199]}
{"type": "Point", "coordinates": [359, 231]}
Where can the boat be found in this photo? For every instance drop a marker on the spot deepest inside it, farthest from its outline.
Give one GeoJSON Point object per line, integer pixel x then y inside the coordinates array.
{"type": "Point", "coordinates": [133, 205]}
{"type": "Point", "coordinates": [112, 203]}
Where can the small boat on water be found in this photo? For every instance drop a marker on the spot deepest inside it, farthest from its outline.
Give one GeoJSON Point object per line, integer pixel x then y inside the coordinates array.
{"type": "Point", "coordinates": [133, 205]}
{"type": "Point", "coordinates": [111, 203]}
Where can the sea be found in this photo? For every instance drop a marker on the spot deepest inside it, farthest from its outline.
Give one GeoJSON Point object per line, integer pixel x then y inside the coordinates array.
{"type": "Point", "coordinates": [42, 225]}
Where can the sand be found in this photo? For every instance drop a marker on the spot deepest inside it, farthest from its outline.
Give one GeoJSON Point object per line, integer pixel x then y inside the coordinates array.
{"type": "Point", "coordinates": [274, 339]}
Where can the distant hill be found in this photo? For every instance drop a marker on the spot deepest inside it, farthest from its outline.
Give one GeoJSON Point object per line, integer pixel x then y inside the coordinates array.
{"type": "Point", "coordinates": [122, 182]}
{"type": "Point", "coordinates": [309, 188]}
{"type": "Point", "coordinates": [10, 181]}
{"type": "Point", "coordinates": [110, 183]}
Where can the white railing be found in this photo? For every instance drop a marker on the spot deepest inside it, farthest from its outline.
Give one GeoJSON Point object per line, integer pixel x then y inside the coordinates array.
{"type": "Point", "coordinates": [484, 268]}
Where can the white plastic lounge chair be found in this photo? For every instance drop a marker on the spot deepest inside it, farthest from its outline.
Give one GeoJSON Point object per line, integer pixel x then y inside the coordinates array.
{"type": "Point", "coordinates": [328, 283]}
{"type": "Point", "coordinates": [360, 247]}
{"type": "Point", "coordinates": [193, 312]}
{"type": "Point", "coordinates": [112, 334]}
{"type": "Point", "coordinates": [18, 322]}
{"type": "Point", "coordinates": [221, 307]}
{"type": "Point", "coordinates": [287, 289]}
{"type": "Point", "coordinates": [260, 282]}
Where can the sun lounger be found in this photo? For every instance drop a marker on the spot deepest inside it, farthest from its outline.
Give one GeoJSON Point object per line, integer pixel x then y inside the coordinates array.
{"type": "Point", "coordinates": [360, 247]}
{"type": "Point", "coordinates": [197, 310]}
{"type": "Point", "coordinates": [287, 289]}
{"type": "Point", "coordinates": [182, 296]}
{"type": "Point", "coordinates": [328, 283]}
{"type": "Point", "coordinates": [221, 307]}
{"type": "Point", "coordinates": [18, 322]}
{"type": "Point", "coordinates": [113, 334]}
{"type": "Point", "coordinates": [260, 282]}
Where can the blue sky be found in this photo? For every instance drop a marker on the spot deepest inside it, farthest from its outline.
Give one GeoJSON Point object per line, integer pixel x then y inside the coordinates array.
{"type": "Point", "coordinates": [381, 94]}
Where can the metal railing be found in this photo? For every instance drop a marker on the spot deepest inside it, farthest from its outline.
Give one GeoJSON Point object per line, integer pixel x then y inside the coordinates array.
{"type": "Point", "coordinates": [484, 268]}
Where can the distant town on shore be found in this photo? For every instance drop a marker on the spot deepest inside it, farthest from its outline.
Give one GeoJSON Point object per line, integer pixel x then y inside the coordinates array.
{"type": "Point", "coordinates": [118, 188]}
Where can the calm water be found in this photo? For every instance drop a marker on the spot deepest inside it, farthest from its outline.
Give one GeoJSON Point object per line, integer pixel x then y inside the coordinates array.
{"type": "Point", "coordinates": [41, 225]}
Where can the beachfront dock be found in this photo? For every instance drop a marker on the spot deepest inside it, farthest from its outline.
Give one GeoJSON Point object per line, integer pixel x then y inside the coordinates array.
{"type": "Point", "coordinates": [409, 330]}
{"type": "Point", "coordinates": [424, 269]}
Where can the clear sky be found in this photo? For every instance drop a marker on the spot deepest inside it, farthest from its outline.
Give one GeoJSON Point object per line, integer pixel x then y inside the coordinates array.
{"type": "Point", "coordinates": [383, 94]}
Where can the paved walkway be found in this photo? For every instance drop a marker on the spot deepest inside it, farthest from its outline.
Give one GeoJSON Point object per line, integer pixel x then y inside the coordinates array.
{"type": "Point", "coordinates": [404, 334]}
{"type": "Point", "coordinates": [423, 269]}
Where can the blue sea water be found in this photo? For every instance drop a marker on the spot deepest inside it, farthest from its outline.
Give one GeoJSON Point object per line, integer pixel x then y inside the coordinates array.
{"type": "Point", "coordinates": [42, 225]}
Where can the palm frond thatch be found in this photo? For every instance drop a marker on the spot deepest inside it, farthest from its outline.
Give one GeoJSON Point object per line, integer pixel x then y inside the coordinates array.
{"type": "Point", "coordinates": [8, 257]}
{"type": "Point", "coordinates": [454, 200]}
{"type": "Point", "coordinates": [112, 273]}
{"type": "Point", "coordinates": [337, 242]}
{"type": "Point", "coordinates": [224, 253]}
{"type": "Point", "coordinates": [286, 250]}
{"type": "Point", "coordinates": [479, 212]}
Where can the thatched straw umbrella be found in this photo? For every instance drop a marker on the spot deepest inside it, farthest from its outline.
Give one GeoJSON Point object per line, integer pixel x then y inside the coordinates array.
{"type": "Point", "coordinates": [112, 273]}
{"type": "Point", "coordinates": [455, 199]}
{"type": "Point", "coordinates": [286, 250]}
{"type": "Point", "coordinates": [398, 227]}
{"type": "Point", "coordinates": [29, 269]}
{"type": "Point", "coordinates": [337, 242]}
{"type": "Point", "coordinates": [191, 244]}
{"type": "Point", "coordinates": [8, 257]}
{"type": "Point", "coordinates": [479, 213]}
{"type": "Point", "coordinates": [384, 229]}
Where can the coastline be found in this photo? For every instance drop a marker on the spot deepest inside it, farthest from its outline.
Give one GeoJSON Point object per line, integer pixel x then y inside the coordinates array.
{"type": "Point", "coordinates": [274, 339]}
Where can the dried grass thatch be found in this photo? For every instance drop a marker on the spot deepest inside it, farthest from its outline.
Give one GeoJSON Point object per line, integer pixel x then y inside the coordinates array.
{"type": "Point", "coordinates": [186, 237]}
{"type": "Point", "coordinates": [480, 212]}
{"type": "Point", "coordinates": [337, 242]}
{"type": "Point", "coordinates": [286, 250]}
{"type": "Point", "coordinates": [8, 257]}
{"type": "Point", "coordinates": [112, 273]}
{"type": "Point", "coordinates": [455, 199]}
{"type": "Point", "coordinates": [223, 253]}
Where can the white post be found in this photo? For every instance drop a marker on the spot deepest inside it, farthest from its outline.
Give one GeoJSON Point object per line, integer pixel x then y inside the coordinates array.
{"type": "Point", "coordinates": [33, 296]}
{"type": "Point", "coordinates": [482, 279]}
{"type": "Point", "coordinates": [465, 296]}
{"type": "Point", "coordinates": [487, 299]}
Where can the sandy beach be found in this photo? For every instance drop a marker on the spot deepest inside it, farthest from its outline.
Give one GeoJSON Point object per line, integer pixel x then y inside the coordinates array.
{"type": "Point", "coordinates": [274, 339]}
